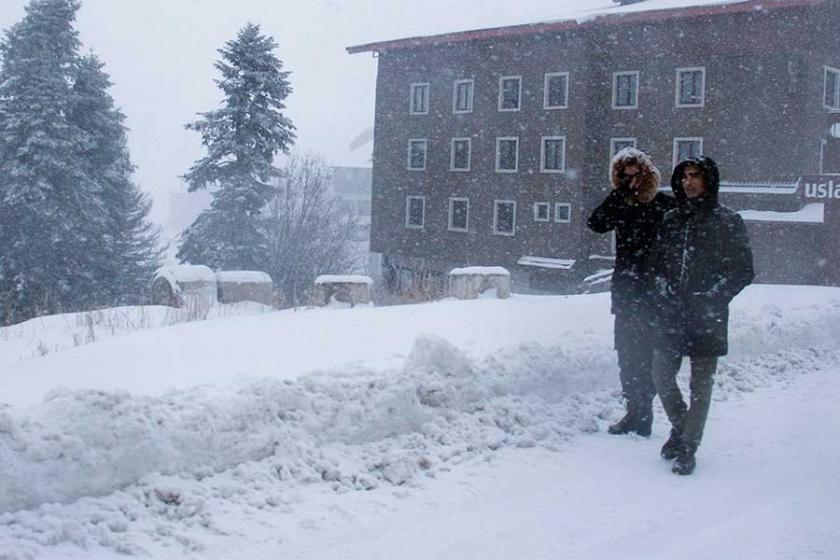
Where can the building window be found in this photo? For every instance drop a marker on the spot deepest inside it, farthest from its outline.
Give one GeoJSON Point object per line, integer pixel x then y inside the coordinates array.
{"type": "Point", "coordinates": [415, 212]}
{"type": "Point", "coordinates": [507, 154]}
{"type": "Point", "coordinates": [510, 93]}
{"type": "Point", "coordinates": [618, 144]}
{"type": "Point", "coordinates": [562, 212]}
{"type": "Point", "coordinates": [459, 214]}
{"type": "Point", "coordinates": [831, 88]}
{"type": "Point", "coordinates": [556, 90]}
{"type": "Point", "coordinates": [691, 87]}
{"type": "Point", "coordinates": [625, 90]}
{"type": "Point", "coordinates": [504, 217]}
{"type": "Point", "coordinates": [419, 99]}
{"type": "Point", "coordinates": [459, 157]}
{"type": "Point", "coordinates": [553, 154]}
{"type": "Point", "coordinates": [685, 148]}
{"type": "Point", "coordinates": [417, 154]}
{"type": "Point", "coordinates": [462, 101]}
{"type": "Point", "coordinates": [541, 211]}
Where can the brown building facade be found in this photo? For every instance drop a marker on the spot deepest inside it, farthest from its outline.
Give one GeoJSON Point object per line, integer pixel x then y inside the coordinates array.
{"type": "Point", "coordinates": [492, 147]}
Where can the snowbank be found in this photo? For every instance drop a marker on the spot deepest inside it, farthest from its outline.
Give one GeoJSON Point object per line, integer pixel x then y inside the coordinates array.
{"type": "Point", "coordinates": [183, 457]}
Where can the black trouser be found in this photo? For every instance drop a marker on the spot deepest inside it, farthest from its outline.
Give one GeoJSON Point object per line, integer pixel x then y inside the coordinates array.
{"type": "Point", "coordinates": [634, 345]}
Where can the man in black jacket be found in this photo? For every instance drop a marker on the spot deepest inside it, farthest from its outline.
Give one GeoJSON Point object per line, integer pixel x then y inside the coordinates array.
{"type": "Point", "coordinates": [701, 260]}
{"type": "Point", "coordinates": [634, 209]}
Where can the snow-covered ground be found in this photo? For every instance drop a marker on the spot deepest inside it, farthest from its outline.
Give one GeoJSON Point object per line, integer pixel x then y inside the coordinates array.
{"type": "Point", "coordinates": [456, 429]}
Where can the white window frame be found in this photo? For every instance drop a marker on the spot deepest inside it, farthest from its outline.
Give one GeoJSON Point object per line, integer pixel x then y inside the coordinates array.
{"type": "Point", "coordinates": [547, 212]}
{"type": "Point", "coordinates": [826, 71]}
{"type": "Point", "coordinates": [557, 219]}
{"type": "Point", "coordinates": [548, 77]}
{"type": "Point", "coordinates": [499, 140]}
{"type": "Point", "coordinates": [615, 89]}
{"type": "Point", "coordinates": [677, 140]}
{"type": "Point", "coordinates": [408, 223]}
{"type": "Point", "coordinates": [496, 204]}
{"type": "Point", "coordinates": [823, 144]}
{"type": "Point", "coordinates": [616, 140]}
{"type": "Point", "coordinates": [702, 70]}
{"type": "Point", "coordinates": [414, 86]}
{"type": "Point", "coordinates": [452, 154]}
{"type": "Point", "coordinates": [425, 153]}
{"type": "Point", "coordinates": [502, 79]}
{"type": "Point", "coordinates": [455, 109]}
{"type": "Point", "coordinates": [543, 169]}
{"type": "Point", "coordinates": [452, 200]}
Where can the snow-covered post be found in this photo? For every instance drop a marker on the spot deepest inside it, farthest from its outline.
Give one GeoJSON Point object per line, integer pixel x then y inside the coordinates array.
{"type": "Point", "coordinates": [473, 281]}
{"type": "Point", "coordinates": [245, 285]}
{"type": "Point", "coordinates": [352, 289]}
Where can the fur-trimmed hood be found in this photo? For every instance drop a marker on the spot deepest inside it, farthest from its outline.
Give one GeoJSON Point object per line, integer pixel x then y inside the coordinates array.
{"type": "Point", "coordinates": [651, 178]}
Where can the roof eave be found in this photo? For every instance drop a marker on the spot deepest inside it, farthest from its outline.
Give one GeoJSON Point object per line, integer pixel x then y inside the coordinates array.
{"type": "Point", "coordinates": [565, 25]}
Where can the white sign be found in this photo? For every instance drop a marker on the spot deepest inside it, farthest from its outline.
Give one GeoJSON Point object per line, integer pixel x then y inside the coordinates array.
{"type": "Point", "coordinates": [821, 187]}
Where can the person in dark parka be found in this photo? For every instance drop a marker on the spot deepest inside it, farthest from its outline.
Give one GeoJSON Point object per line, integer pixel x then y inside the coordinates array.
{"type": "Point", "coordinates": [701, 260]}
{"type": "Point", "coordinates": [634, 210]}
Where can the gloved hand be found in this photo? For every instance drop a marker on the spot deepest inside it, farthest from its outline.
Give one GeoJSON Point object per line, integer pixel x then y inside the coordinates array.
{"type": "Point", "coordinates": [625, 186]}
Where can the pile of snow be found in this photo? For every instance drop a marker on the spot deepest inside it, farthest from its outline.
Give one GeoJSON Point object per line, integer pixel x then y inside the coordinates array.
{"type": "Point", "coordinates": [343, 279]}
{"type": "Point", "coordinates": [243, 277]}
{"type": "Point", "coordinates": [480, 270]}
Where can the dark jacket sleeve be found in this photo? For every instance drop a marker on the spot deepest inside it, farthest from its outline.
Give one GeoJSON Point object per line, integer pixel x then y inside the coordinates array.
{"type": "Point", "coordinates": [658, 283]}
{"type": "Point", "coordinates": [605, 216]}
{"type": "Point", "coordinates": [738, 259]}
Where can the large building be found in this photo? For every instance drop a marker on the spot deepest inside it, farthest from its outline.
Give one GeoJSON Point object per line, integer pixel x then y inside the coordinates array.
{"type": "Point", "coordinates": [491, 147]}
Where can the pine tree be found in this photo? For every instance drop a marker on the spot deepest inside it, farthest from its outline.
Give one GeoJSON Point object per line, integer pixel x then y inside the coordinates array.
{"type": "Point", "coordinates": [242, 139]}
{"type": "Point", "coordinates": [73, 226]}
{"type": "Point", "coordinates": [130, 252]}
{"type": "Point", "coordinates": [50, 225]}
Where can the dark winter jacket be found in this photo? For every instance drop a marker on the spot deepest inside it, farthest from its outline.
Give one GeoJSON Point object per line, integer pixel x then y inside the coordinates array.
{"type": "Point", "coordinates": [701, 260]}
{"type": "Point", "coordinates": [636, 220]}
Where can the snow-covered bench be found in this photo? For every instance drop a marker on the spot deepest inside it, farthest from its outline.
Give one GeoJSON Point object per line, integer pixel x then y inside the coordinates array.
{"type": "Point", "coordinates": [245, 285]}
{"type": "Point", "coordinates": [473, 281]}
{"type": "Point", "coordinates": [352, 289]}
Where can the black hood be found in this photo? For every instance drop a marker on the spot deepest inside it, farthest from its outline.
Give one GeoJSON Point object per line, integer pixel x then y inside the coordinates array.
{"type": "Point", "coordinates": [711, 174]}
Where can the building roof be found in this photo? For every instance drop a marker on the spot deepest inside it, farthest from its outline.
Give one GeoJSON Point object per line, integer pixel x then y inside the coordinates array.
{"type": "Point", "coordinates": [591, 13]}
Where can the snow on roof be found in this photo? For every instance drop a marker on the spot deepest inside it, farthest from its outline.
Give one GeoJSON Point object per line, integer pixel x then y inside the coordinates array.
{"type": "Point", "coordinates": [600, 276]}
{"type": "Point", "coordinates": [243, 277]}
{"type": "Point", "coordinates": [582, 13]}
{"type": "Point", "coordinates": [545, 262]}
{"type": "Point", "coordinates": [343, 278]}
{"type": "Point", "coordinates": [486, 270]}
{"type": "Point", "coordinates": [764, 187]}
{"type": "Point", "coordinates": [186, 273]}
{"type": "Point", "coordinates": [813, 213]}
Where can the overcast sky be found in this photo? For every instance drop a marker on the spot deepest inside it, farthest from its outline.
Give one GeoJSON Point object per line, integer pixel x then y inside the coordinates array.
{"type": "Point", "coordinates": [160, 56]}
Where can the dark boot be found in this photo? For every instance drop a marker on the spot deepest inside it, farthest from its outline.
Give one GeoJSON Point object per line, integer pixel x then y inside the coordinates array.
{"type": "Point", "coordinates": [672, 447]}
{"type": "Point", "coordinates": [685, 462]}
{"type": "Point", "coordinates": [628, 423]}
{"type": "Point", "coordinates": [644, 418]}
{"type": "Point", "coordinates": [624, 426]}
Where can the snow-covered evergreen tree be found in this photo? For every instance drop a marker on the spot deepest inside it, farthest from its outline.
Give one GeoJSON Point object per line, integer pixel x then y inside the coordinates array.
{"type": "Point", "coordinates": [50, 224]}
{"type": "Point", "coordinates": [73, 227]}
{"type": "Point", "coordinates": [242, 139]}
{"type": "Point", "coordinates": [131, 252]}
